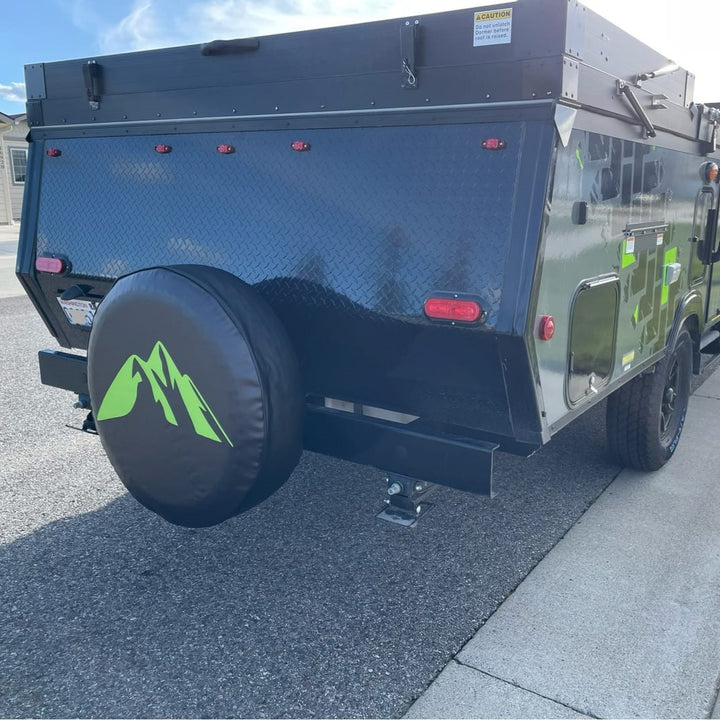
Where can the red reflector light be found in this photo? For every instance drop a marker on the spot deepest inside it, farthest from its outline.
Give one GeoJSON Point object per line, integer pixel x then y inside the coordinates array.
{"type": "Point", "coordinates": [494, 144]}
{"type": "Point", "coordinates": [546, 327]}
{"type": "Point", "coordinates": [163, 149]}
{"type": "Point", "coordinates": [56, 266]}
{"type": "Point", "coordinates": [452, 309]}
{"type": "Point", "coordinates": [300, 146]}
{"type": "Point", "coordinates": [53, 152]}
{"type": "Point", "coordinates": [226, 149]}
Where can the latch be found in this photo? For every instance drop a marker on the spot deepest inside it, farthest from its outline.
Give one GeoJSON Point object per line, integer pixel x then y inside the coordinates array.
{"type": "Point", "coordinates": [92, 74]}
{"type": "Point", "coordinates": [408, 45]}
{"type": "Point", "coordinates": [672, 273]}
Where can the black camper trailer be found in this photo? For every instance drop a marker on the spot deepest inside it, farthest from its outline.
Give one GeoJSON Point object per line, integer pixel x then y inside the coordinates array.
{"type": "Point", "coordinates": [405, 243]}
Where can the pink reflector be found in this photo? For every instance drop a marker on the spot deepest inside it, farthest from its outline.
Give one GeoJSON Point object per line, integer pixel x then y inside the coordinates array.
{"type": "Point", "coordinates": [494, 144]}
{"type": "Point", "coordinates": [56, 266]}
{"type": "Point", "coordinates": [53, 152]}
{"type": "Point", "coordinates": [300, 146]}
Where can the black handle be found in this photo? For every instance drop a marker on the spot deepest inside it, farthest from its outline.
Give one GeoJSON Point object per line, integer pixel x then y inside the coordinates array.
{"type": "Point", "coordinates": [230, 47]}
{"type": "Point", "coordinates": [711, 235]}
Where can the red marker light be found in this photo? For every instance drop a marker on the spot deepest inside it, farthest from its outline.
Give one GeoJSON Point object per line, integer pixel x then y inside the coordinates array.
{"type": "Point", "coordinates": [53, 152]}
{"type": "Point", "coordinates": [467, 311]}
{"type": "Point", "coordinates": [494, 144]}
{"type": "Point", "coordinates": [546, 327]}
{"type": "Point", "coordinates": [163, 149]}
{"type": "Point", "coordinates": [225, 149]}
{"type": "Point", "coordinates": [53, 265]}
{"type": "Point", "coordinates": [300, 146]}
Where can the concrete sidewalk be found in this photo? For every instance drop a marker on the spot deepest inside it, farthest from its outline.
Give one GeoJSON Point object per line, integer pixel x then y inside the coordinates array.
{"type": "Point", "coordinates": [621, 618]}
{"type": "Point", "coordinates": [9, 285]}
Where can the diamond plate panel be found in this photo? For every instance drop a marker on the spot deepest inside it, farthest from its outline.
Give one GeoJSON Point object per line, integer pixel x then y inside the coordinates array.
{"type": "Point", "coordinates": [380, 216]}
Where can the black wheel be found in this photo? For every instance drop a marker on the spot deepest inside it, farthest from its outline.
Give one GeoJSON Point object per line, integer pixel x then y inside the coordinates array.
{"type": "Point", "coordinates": [645, 417]}
{"type": "Point", "coordinates": [196, 393]}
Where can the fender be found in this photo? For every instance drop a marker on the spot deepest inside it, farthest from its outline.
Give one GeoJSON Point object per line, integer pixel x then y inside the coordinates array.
{"type": "Point", "coordinates": [690, 306]}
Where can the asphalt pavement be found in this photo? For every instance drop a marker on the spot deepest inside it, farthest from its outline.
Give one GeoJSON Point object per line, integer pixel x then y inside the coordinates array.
{"type": "Point", "coordinates": [309, 606]}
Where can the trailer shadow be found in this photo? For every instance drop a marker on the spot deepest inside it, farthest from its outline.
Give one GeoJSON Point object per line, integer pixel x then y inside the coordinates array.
{"type": "Point", "coordinates": [308, 606]}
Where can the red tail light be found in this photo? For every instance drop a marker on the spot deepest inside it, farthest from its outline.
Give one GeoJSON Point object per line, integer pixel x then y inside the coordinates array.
{"type": "Point", "coordinates": [466, 311]}
{"type": "Point", "coordinates": [225, 149]}
{"type": "Point", "coordinates": [163, 149]}
{"type": "Point", "coordinates": [53, 152]}
{"type": "Point", "coordinates": [300, 146]}
{"type": "Point", "coordinates": [54, 265]}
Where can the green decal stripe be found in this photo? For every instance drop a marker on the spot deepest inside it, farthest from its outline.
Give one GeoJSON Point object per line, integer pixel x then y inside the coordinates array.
{"type": "Point", "coordinates": [670, 257]}
{"type": "Point", "coordinates": [579, 159]}
{"type": "Point", "coordinates": [636, 314]}
{"type": "Point", "coordinates": [627, 258]}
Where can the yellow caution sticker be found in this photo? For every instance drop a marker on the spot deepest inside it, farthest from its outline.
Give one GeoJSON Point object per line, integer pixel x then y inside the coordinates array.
{"type": "Point", "coordinates": [493, 27]}
{"type": "Point", "coordinates": [627, 360]}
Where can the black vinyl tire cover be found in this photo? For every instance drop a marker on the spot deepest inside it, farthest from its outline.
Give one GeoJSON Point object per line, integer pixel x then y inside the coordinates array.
{"type": "Point", "coordinates": [196, 392]}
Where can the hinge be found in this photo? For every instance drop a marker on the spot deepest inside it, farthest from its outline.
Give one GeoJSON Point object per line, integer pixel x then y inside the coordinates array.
{"type": "Point", "coordinates": [92, 74]}
{"type": "Point", "coordinates": [408, 45]}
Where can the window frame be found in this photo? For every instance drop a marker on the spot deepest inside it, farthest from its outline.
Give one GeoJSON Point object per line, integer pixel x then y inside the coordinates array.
{"type": "Point", "coordinates": [13, 166]}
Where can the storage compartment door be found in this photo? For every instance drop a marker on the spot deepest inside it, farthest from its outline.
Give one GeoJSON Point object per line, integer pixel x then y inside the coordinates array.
{"type": "Point", "coordinates": [593, 329]}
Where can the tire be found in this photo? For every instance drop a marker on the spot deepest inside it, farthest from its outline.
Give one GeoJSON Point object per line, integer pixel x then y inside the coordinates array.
{"type": "Point", "coordinates": [645, 417]}
{"type": "Point", "coordinates": [196, 393]}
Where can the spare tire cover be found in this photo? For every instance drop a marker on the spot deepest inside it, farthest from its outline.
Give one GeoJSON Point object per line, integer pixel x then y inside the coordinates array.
{"type": "Point", "coordinates": [196, 392]}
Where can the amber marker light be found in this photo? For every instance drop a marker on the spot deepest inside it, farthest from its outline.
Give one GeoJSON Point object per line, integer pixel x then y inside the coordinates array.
{"type": "Point", "coordinates": [711, 171]}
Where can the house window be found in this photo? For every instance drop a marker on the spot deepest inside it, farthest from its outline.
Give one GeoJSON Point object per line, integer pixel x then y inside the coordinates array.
{"type": "Point", "coordinates": [18, 161]}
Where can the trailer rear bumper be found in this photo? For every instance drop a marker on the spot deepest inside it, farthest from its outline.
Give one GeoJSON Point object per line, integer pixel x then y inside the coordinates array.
{"type": "Point", "coordinates": [458, 462]}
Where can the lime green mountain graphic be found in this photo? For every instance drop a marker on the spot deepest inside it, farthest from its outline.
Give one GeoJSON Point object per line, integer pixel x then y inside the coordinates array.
{"type": "Point", "coordinates": [161, 373]}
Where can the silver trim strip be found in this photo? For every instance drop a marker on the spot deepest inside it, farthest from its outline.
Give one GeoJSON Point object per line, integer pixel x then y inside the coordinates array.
{"type": "Point", "coordinates": [269, 116]}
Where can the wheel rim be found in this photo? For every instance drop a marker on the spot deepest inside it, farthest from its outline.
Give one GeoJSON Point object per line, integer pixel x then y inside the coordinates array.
{"type": "Point", "coordinates": [668, 409]}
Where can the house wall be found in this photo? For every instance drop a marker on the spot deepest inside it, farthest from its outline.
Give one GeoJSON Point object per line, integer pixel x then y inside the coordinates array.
{"type": "Point", "coordinates": [11, 192]}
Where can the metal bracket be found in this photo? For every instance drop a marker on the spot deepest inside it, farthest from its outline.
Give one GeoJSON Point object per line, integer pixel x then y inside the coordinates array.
{"type": "Point", "coordinates": [656, 102]}
{"type": "Point", "coordinates": [408, 46]}
{"type": "Point", "coordinates": [624, 89]}
{"type": "Point", "coordinates": [711, 145]}
{"type": "Point", "coordinates": [406, 499]}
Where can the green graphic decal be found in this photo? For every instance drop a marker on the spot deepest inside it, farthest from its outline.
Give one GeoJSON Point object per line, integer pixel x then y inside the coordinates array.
{"type": "Point", "coordinates": [162, 374]}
